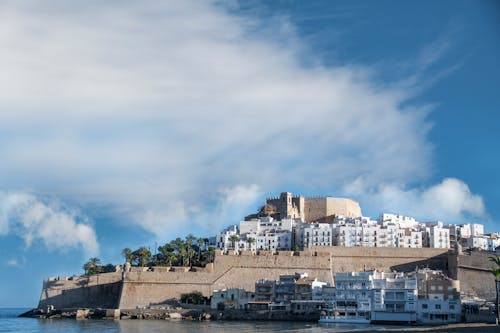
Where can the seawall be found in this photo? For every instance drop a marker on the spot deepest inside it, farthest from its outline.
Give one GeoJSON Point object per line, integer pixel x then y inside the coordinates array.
{"type": "Point", "coordinates": [241, 271]}
{"type": "Point", "coordinates": [142, 287]}
{"type": "Point", "coordinates": [96, 291]}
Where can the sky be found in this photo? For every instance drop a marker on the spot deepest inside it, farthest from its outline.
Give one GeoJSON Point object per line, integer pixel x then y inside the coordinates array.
{"type": "Point", "coordinates": [127, 124]}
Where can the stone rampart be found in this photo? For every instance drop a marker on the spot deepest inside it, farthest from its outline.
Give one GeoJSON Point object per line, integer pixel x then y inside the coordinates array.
{"type": "Point", "coordinates": [96, 291]}
{"type": "Point", "coordinates": [142, 287]}
{"type": "Point", "coordinates": [472, 268]}
{"type": "Point", "coordinates": [146, 288]}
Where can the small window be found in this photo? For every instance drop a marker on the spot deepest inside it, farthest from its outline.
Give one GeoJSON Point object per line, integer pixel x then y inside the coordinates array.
{"type": "Point", "coordinates": [424, 306]}
{"type": "Point", "coordinates": [438, 306]}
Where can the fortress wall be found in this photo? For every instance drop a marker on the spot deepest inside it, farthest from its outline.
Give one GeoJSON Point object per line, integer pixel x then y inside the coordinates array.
{"type": "Point", "coordinates": [145, 288]}
{"type": "Point", "coordinates": [314, 208]}
{"type": "Point", "coordinates": [473, 271]}
{"type": "Point", "coordinates": [94, 291]}
{"type": "Point", "coordinates": [343, 206]}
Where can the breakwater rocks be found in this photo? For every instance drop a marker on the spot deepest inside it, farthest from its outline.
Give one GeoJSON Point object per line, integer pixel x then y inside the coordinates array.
{"type": "Point", "coordinates": [152, 314]}
{"type": "Point", "coordinates": [170, 314]}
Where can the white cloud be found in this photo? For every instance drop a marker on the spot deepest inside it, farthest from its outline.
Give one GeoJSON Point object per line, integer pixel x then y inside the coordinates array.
{"type": "Point", "coordinates": [17, 263]}
{"type": "Point", "coordinates": [152, 111]}
{"type": "Point", "coordinates": [28, 217]}
{"type": "Point", "coordinates": [12, 263]}
{"type": "Point", "coordinates": [450, 201]}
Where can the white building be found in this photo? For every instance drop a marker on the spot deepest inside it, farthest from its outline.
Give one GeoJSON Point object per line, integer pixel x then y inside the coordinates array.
{"type": "Point", "coordinates": [233, 298]}
{"type": "Point", "coordinates": [316, 234]}
{"type": "Point", "coordinates": [274, 240]}
{"type": "Point", "coordinates": [402, 221]}
{"type": "Point", "coordinates": [266, 223]}
{"type": "Point", "coordinates": [438, 237]}
{"type": "Point", "coordinates": [438, 299]}
{"type": "Point", "coordinates": [394, 297]}
{"type": "Point", "coordinates": [223, 241]}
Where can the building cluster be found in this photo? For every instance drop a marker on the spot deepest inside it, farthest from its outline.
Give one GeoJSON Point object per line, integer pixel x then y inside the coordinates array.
{"type": "Point", "coordinates": [424, 296]}
{"type": "Point", "coordinates": [296, 223]}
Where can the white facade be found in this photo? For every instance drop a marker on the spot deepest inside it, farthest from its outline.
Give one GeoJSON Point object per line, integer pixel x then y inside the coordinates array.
{"type": "Point", "coordinates": [233, 298]}
{"type": "Point", "coordinates": [274, 240]}
{"type": "Point", "coordinates": [390, 230]}
{"type": "Point", "coordinates": [438, 236]}
{"type": "Point", "coordinates": [479, 242]}
{"type": "Point", "coordinates": [264, 224]}
{"type": "Point", "coordinates": [317, 234]}
{"type": "Point", "coordinates": [222, 238]}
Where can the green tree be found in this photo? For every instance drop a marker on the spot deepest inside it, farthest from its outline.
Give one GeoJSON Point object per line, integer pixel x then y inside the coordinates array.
{"type": "Point", "coordinates": [92, 266]}
{"type": "Point", "coordinates": [189, 248]}
{"type": "Point", "coordinates": [495, 270]}
{"type": "Point", "coordinates": [127, 254]}
{"type": "Point", "coordinates": [233, 239]}
{"type": "Point", "coordinates": [250, 241]}
{"type": "Point", "coordinates": [211, 254]}
{"type": "Point", "coordinates": [201, 243]}
{"type": "Point", "coordinates": [194, 297]}
{"type": "Point", "coordinates": [142, 256]}
{"type": "Point", "coordinates": [170, 258]}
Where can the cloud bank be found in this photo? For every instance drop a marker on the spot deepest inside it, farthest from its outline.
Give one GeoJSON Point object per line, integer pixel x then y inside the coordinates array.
{"type": "Point", "coordinates": [164, 114]}
{"type": "Point", "coordinates": [24, 215]}
{"type": "Point", "coordinates": [451, 200]}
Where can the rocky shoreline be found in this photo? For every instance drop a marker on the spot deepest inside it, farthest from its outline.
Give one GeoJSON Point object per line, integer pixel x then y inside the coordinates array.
{"type": "Point", "coordinates": [152, 314]}
{"type": "Point", "coordinates": [171, 313]}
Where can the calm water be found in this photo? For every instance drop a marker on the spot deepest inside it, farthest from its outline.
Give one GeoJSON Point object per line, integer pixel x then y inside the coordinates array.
{"type": "Point", "coordinates": [10, 323]}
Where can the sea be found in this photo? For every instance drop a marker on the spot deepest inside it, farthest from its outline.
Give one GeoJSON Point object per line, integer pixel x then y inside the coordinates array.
{"type": "Point", "coordinates": [10, 322]}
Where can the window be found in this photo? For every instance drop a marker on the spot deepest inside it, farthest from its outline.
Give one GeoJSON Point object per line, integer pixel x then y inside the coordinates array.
{"type": "Point", "coordinates": [424, 306]}
{"type": "Point", "coordinates": [438, 306]}
{"type": "Point", "coordinates": [452, 306]}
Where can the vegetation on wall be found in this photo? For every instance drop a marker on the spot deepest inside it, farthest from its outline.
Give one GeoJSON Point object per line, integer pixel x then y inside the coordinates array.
{"type": "Point", "coordinates": [190, 251]}
{"type": "Point", "coordinates": [93, 266]}
{"type": "Point", "coordinates": [194, 297]}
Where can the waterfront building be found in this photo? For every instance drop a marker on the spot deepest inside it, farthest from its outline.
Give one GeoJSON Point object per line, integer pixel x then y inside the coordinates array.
{"type": "Point", "coordinates": [233, 298]}
{"type": "Point", "coordinates": [438, 298]}
{"type": "Point", "coordinates": [350, 300]}
{"type": "Point", "coordinates": [394, 297]}
{"type": "Point", "coordinates": [265, 290]}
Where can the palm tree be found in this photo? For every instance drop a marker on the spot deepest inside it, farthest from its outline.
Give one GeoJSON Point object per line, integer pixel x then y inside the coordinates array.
{"type": "Point", "coordinates": [201, 242]}
{"type": "Point", "coordinates": [142, 256]}
{"type": "Point", "coordinates": [86, 268]}
{"type": "Point", "coordinates": [92, 266]}
{"type": "Point", "coordinates": [496, 272]}
{"type": "Point", "coordinates": [250, 241]}
{"type": "Point", "coordinates": [127, 253]}
{"type": "Point", "coordinates": [211, 254]}
{"type": "Point", "coordinates": [170, 258]}
{"type": "Point", "coordinates": [95, 263]}
{"type": "Point", "coordinates": [233, 239]}
{"type": "Point", "coordinates": [189, 244]}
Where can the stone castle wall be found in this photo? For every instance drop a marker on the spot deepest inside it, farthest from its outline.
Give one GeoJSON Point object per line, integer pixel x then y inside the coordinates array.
{"type": "Point", "coordinates": [142, 287]}
{"type": "Point", "coordinates": [317, 208]}
{"type": "Point", "coordinates": [241, 271]}
{"type": "Point", "coordinates": [473, 270]}
{"type": "Point", "coordinates": [314, 208]}
{"type": "Point", "coordinates": [96, 291]}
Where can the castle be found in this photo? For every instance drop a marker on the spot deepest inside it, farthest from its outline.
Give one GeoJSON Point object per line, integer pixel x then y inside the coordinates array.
{"type": "Point", "coordinates": [132, 287]}
{"type": "Point", "coordinates": [309, 209]}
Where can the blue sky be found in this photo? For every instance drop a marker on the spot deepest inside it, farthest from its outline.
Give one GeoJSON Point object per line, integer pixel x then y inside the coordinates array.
{"type": "Point", "coordinates": [126, 124]}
